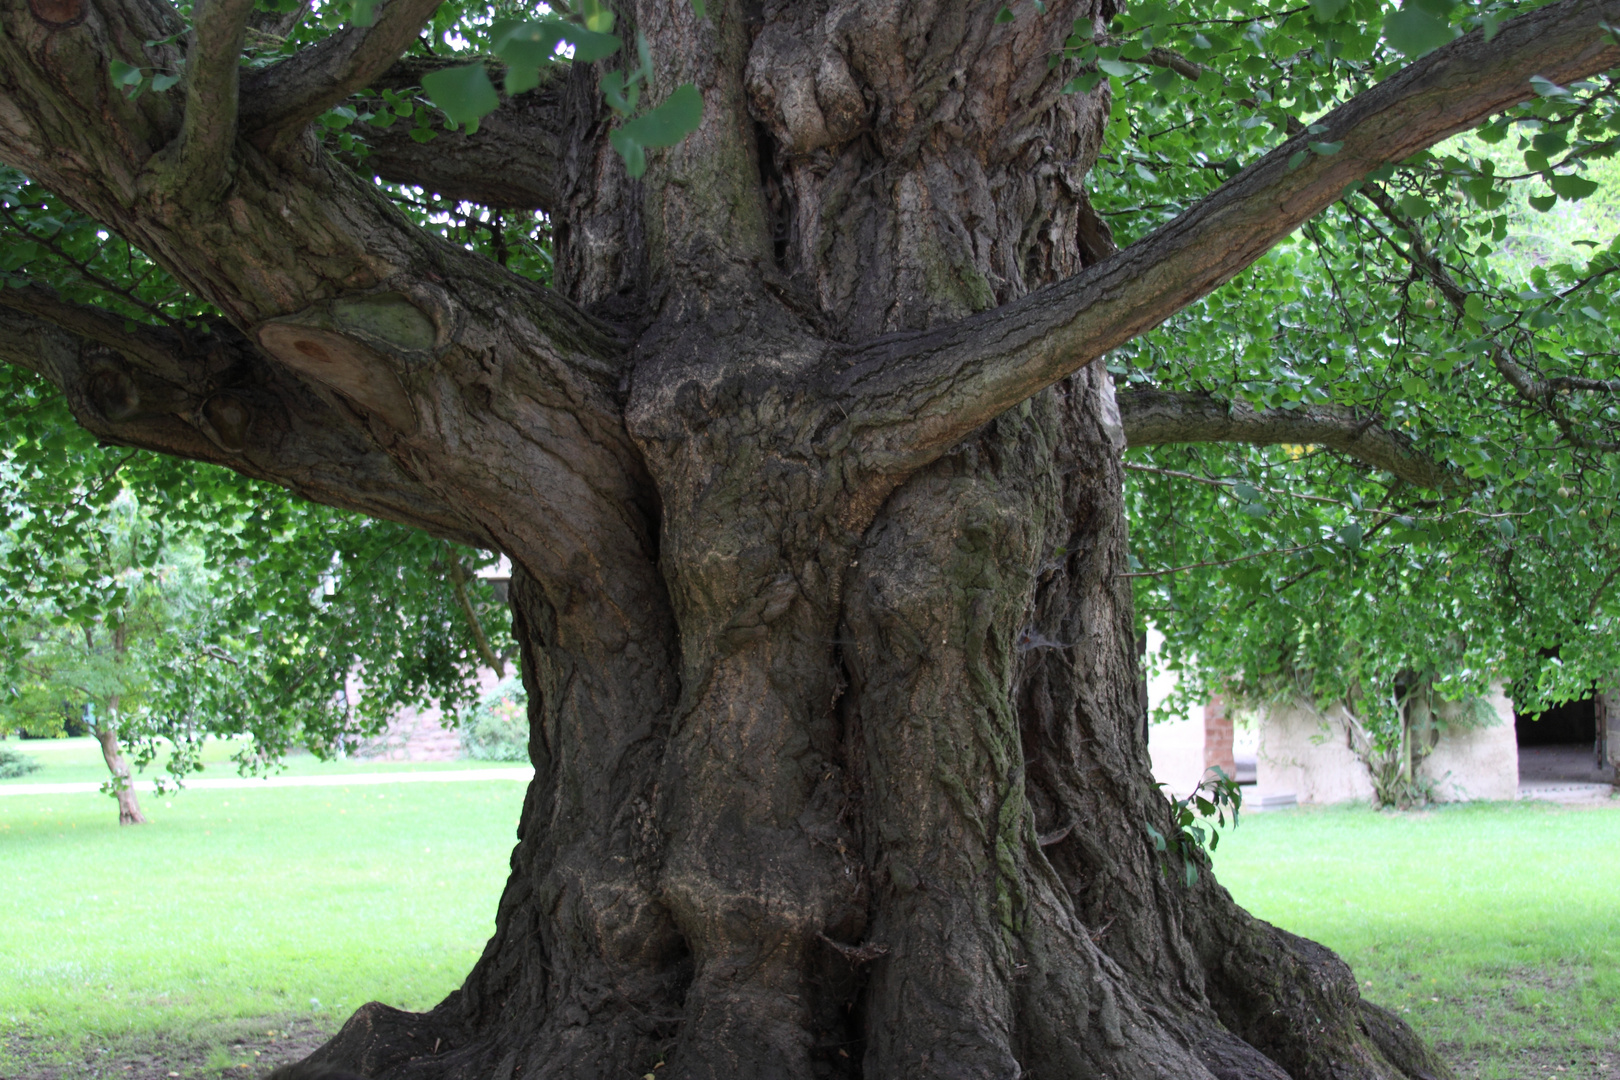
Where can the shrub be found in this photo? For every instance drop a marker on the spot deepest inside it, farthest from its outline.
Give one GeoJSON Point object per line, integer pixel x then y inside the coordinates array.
{"type": "Point", "coordinates": [14, 764]}
{"type": "Point", "coordinates": [497, 728]}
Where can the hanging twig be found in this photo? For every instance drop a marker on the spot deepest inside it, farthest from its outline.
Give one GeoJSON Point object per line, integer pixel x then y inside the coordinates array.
{"type": "Point", "coordinates": [1218, 562]}
{"type": "Point", "coordinates": [458, 582]}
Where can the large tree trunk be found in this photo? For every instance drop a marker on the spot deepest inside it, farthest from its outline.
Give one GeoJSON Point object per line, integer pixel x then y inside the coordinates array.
{"type": "Point", "coordinates": [876, 800]}
{"type": "Point", "coordinates": [813, 497]}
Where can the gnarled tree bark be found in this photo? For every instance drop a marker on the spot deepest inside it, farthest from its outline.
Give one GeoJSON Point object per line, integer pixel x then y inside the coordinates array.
{"type": "Point", "coordinates": [812, 489]}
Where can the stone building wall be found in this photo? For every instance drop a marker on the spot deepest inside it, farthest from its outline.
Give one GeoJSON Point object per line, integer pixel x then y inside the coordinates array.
{"type": "Point", "coordinates": [420, 734]}
{"type": "Point", "coordinates": [1476, 763]}
{"type": "Point", "coordinates": [1218, 752]}
{"type": "Point", "coordinates": [1307, 753]}
{"type": "Point", "coordinates": [1609, 718]}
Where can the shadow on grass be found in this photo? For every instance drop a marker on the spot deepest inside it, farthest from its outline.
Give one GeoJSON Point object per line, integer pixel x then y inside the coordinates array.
{"type": "Point", "coordinates": [235, 1048]}
{"type": "Point", "coordinates": [1532, 1022]}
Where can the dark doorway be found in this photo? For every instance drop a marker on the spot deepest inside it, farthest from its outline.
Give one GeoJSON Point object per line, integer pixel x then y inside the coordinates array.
{"type": "Point", "coordinates": [1571, 722]}
{"type": "Point", "coordinates": [1560, 744]}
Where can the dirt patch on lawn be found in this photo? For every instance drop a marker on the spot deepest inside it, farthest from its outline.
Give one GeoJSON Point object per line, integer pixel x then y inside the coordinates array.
{"type": "Point", "coordinates": [246, 1048]}
{"type": "Point", "coordinates": [1535, 1063]}
{"type": "Point", "coordinates": [1535, 1040]}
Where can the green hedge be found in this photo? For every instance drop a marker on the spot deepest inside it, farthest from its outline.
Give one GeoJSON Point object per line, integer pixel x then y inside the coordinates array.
{"type": "Point", "coordinates": [497, 728]}
{"type": "Point", "coordinates": [14, 764]}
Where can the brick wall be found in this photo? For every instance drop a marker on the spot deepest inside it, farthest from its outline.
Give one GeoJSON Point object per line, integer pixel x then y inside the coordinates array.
{"type": "Point", "coordinates": [1218, 737]}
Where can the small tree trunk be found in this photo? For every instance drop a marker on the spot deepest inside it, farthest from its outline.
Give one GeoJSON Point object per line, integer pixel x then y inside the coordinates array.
{"type": "Point", "coordinates": [129, 808]}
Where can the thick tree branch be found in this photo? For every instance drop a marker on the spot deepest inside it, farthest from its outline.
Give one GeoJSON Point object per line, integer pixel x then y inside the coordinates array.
{"type": "Point", "coordinates": [1157, 418]}
{"type": "Point", "coordinates": [284, 97]}
{"type": "Point", "coordinates": [914, 396]}
{"type": "Point", "coordinates": [512, 162]}
{"type": "Point", "coordinates": [1573, 382]}
{"type": "Point", "coordinates": [212, 397]}
{"type": "Point", "coordinates": [400, 373]}
{"type": "Point", "coordinates": [212, 84]}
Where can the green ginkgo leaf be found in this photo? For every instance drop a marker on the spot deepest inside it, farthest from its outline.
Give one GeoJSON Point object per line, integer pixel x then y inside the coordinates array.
{"type": "Point", "coordinates": [1416, 32]}
{"type": "Point", "coordinates": [124, 75]}
{"type": "Point", "coordinates": [464, 94]}
{"type": "Point", "coordinates": [598, 16]}
{"type": "Point", "coordinates": [634, 155]}
{"type": "Point", "coordinates": [674, 120]}
{"type": "Point", "coordinates": [591, 46]}
{"type": "Point", "coordinates": [1573, 188]}
{"type": "Point", "coordinates": [526, 47]}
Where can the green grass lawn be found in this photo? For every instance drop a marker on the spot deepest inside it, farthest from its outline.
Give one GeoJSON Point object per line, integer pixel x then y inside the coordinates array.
{"type": "Point", "coordinates": [239, 905]}
{"type": "Point", "coordinates": [64, 761]}
{"type": "Point", "coordinates": [1494, 928]}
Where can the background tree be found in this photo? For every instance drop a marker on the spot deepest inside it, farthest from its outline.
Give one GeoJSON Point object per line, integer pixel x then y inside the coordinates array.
{"type": "Point", "coordinates": [1284, 572]}
{"type": "Point", "coordinates": [185, 602]}
{"type": "Point", "coordinates": [98, 663]}
{"type": "Point", "coordinates": [805, 461]}
{"type": "Point", "coordinates": [94, 669]}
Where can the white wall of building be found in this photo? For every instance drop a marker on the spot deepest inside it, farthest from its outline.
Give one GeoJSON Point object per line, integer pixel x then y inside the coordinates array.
{"type": "Point", "coordinates": [1306, 752]}
{"type": "Point", "coordinates": [1176, 746]}
{"type": "Point", "coordinates": [1476, 763]}
{"type": "Point", "coordinates": [1303, 752]}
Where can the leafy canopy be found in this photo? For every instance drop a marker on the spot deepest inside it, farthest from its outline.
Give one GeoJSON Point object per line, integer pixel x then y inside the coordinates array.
{"type": "Point", "coordinates": [1287, 569]}
{"type": "Point", "coordinates": [1276, 570]}
{"type": "Point", "coordinates": [243, 610]}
